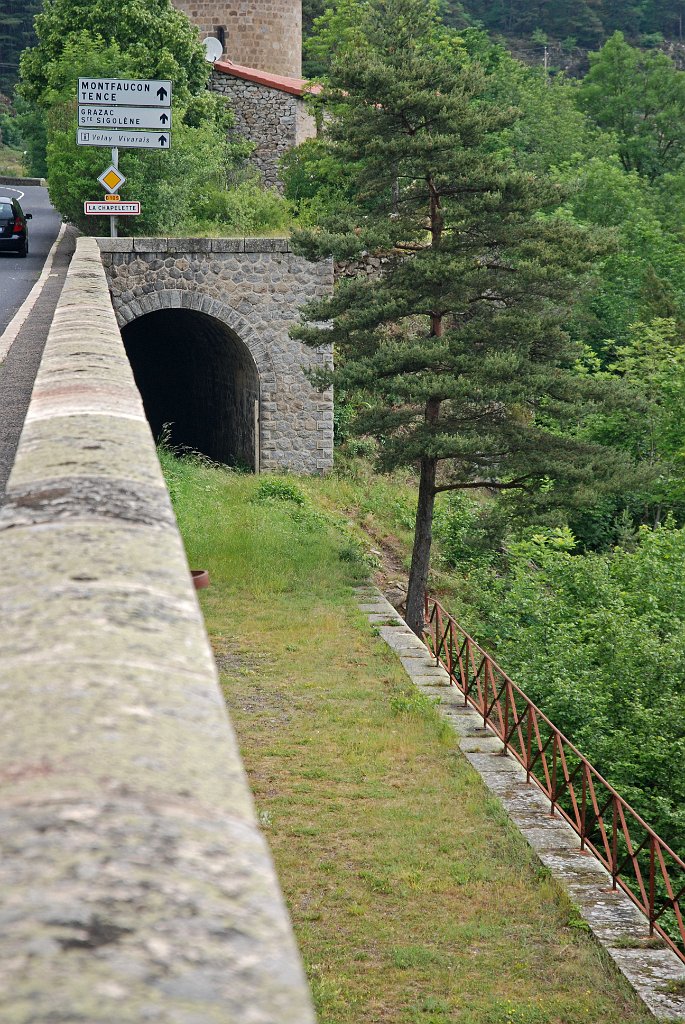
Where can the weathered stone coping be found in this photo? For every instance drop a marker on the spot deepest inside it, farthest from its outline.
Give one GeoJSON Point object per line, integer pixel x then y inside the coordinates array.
{"type": "Point", "coordinates": [613, 920]}
{"type": "Point", "coordinates": [135, 883]}
{"type": "Point", "coordinates": [187, 245]}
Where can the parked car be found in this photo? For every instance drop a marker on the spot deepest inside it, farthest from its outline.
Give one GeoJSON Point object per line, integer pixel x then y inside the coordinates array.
{"type": "Point", "coordinates": [14, 228]}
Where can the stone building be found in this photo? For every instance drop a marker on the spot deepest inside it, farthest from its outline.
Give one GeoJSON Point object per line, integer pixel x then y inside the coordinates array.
{"type": "Point", "coordinates": [261, 76]}
{"type": "Point", "coordinates": [263, 34]}
{"type": "Point", "coordinates": [269, 110]}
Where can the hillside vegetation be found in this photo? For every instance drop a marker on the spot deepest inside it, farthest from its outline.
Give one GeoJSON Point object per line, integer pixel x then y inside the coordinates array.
{"type": "Point", "coordinates": [413, 899]}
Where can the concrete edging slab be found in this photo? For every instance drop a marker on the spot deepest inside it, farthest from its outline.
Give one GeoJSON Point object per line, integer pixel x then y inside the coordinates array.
{"type": "Point", "coordinates": [613, 920]}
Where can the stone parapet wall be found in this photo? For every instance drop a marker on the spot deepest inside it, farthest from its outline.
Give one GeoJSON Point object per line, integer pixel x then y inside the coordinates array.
{"type": "Point", "coordinates": [275, 121]}
{"type": "Point", "coordinates": [256, 287]}
{"type": "Point", "coordinates": [264, 34]}
{"type": "Point", "coordinates": [136, 884]}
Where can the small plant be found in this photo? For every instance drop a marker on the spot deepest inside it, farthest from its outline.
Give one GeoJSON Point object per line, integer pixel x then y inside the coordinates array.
{"type": "Point", "coordinates": [279, 490]}
{"type": "Point", "coordinates": [413, 703]}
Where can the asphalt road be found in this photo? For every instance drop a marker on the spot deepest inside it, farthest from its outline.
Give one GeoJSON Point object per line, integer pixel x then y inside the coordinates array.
{"type": "Point", "coordinates": [17, 277]}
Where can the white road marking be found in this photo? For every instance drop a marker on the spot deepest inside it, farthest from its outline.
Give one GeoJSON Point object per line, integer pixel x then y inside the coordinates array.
{"type": "Point", "coordinates": [5, 188]}
{"type": "Point", "coordinates": [10, 333]}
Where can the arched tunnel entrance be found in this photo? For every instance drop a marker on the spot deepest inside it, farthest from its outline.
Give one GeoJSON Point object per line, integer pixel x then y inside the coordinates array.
{"type": "Point", "coordinates": [196, 375]}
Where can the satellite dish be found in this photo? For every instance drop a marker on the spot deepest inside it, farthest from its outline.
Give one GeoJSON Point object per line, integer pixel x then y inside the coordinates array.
{"type": "Point", "coordinates": [213, 49]}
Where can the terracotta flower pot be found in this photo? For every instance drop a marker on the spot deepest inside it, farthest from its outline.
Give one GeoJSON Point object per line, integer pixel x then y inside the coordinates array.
{"type": "Point", "coordinates": [200, 578]}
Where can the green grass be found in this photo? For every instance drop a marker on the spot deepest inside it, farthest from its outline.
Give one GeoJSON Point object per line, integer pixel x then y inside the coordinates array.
{"type": "Point", "coordinates": [11, 162]}
{"type": "Point", "coordinates": [413, 899]}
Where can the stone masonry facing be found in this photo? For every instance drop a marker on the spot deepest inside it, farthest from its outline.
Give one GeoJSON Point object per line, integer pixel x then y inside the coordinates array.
{"type": "Point", "coordinates": [264, 34]}
{"type": "Point", "coordinates": [255, 287]}
{"type": "Point", "coordinates": [274, 121]}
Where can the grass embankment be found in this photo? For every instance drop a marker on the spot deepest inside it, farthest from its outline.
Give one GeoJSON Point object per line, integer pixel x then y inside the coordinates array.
{"type": "Point", "coordinates": [11, 162]}
{"type": "Point", "coordinates": [413, 899]}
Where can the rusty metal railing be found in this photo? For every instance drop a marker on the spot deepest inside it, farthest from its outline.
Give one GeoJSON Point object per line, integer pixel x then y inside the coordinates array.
{"type": "Point", "coordinates": [638, 860]}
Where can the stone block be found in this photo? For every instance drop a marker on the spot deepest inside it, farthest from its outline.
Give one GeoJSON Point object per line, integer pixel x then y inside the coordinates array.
{"type": "Point", "coordinates": [115, 244]}
{"type": "Point", "coordinates": [228, 244]}
{"type": "Point", "coordinates": [267, 245]}
{"type": "Point", "coordinates": [150, 244]}
{"type": "Point", "coordinates": [184, 245]}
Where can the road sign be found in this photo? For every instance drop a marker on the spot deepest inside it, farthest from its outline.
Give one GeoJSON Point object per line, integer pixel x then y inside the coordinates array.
{"type": "Point", "coordinates": [111, 179]}
{"type": "Point", "coordinates": [132, 92]}
{"type": "Point", "coordinates": [123, 117]}
{"type": "Point", "coordinates": [107, 209]}
{"type": "Point", "coordinates": [113, 139]}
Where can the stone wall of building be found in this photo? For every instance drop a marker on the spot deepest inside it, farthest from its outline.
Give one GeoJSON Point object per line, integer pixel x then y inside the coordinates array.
{"type": "Point", "coordinates": [255, 287]}
{"type": "Point", "coordinates": [264, 34]}
{"type": "Point", "coordinates": [273, 120]}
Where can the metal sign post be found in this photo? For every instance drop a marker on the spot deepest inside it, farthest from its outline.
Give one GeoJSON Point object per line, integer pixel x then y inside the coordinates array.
{"type": "Point", "coordinates": [113, 226]}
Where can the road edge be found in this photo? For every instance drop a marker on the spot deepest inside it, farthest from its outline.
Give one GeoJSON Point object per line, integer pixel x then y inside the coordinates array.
{"type": "Point", "coordinates": [11, 332]}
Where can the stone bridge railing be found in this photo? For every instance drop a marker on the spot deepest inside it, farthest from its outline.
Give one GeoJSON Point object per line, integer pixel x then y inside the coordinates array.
{"type": "Point", "coordinates": [136, 885]}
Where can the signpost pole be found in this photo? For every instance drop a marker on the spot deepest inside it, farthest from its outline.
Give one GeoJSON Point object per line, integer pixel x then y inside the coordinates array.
{"type": "Point", "coordinates": [113, 220]}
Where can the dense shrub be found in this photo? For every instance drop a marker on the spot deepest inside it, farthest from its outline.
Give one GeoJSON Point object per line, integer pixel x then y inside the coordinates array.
{"type": "Point", "coordinates": [598, 641]}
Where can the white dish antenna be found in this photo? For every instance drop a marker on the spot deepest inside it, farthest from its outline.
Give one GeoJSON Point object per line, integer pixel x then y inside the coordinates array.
{"type": "Point", "coordinates": [213, 49]}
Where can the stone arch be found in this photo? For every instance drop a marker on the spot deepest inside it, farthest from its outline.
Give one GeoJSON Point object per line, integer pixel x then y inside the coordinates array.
{"type": "Point", "coordinates": [201, 303]}
{"type": "Point", "coordinates": [200, 369]}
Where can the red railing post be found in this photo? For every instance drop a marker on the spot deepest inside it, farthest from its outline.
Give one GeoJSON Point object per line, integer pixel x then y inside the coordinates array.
{"type": "Point", "coordinates": [529, 744]}
{"type": "Point", "coordinates": [553, 793]}
{"type": "Point", "coordinates": [614, 840]}
{"type": "Point", "coordinates": [506, 719]}
{"type": "Point", "coordinates": [652, 883]}
{"type": "Point", "coordinates": [583, 808]}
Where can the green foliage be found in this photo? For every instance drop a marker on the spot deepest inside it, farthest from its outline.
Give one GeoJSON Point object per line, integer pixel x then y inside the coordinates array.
{"type": "Point", "coordinates": [238, 207]}
{"type": "Point", "coordinates": [599, 642]}
{"type": "Point", "coordinates": [10, 132]}
{"type": "Point", "coordinates": [641, 98]}
{"type": "Point", "coordinates": [457, 351]}
{"type": "Point", "coordinates": [157, 40]}
{"type": "Point", "coordinates": [279, 490]}
{"type": "Point", "coordinates": [16, 32]}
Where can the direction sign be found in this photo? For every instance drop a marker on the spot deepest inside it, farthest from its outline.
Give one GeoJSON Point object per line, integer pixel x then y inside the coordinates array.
{"type": "Point", "coordinates": [111, 179]}
{"type": "Point", "coordinates": [108, 209]}
{"type": "Point", "coordinates": [132, 92]}
{"type": "Point", "coordinates": [123, 117]}
{"type": "Point", "coordinates": [113, 139]}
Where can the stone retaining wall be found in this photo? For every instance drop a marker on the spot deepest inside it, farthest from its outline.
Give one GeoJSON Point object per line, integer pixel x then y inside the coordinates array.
{"type": "Point", "coordinates": [136, 884]}
{"type": "Point", "coordinates": [256, 287]}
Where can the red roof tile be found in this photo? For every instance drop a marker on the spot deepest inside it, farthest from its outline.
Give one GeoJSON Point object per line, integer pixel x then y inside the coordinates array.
{"type": "Point", "coordinates": [296, 86]}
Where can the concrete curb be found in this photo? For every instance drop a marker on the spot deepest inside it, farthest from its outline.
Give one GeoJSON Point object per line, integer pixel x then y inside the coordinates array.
{"type": "Point", "coordinates": [136, 884]}
{"type": "Point", "coordinates": [613, 920]}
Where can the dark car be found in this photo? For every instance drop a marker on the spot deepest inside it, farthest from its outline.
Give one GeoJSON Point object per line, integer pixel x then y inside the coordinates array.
{"type": "Point", "coordinates": [14, 229]}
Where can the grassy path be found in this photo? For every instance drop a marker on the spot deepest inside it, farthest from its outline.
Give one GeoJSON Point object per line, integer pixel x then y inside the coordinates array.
{"type": "Point", "coordinates": [413, 899]}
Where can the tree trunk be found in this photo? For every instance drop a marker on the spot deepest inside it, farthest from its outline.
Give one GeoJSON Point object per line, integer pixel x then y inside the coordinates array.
{"type": "Point", "coordinates": [423, 536]}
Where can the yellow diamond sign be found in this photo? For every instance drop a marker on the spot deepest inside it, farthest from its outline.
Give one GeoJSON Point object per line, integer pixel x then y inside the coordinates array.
{"type": "Point", "coordinates": [111, 179]}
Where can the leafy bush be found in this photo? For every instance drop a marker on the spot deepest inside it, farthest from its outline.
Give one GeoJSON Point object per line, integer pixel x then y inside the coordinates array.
{"type": "Point", "coordinates": [598, 641]}
{"type": "Point", "coordinates": [279, 490]}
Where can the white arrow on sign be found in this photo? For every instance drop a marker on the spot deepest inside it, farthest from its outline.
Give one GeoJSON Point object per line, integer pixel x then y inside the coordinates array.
{"type": "Point", "coordinates": [123, 117]}
{"type": "Point", "coordinates": [132, 92]}
{"type": "Point", "coordinates": [113, 139]}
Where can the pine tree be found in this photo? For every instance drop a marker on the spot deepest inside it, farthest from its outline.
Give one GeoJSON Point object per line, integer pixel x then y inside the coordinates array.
{"type": "Point", "coordinates": [458, 350]}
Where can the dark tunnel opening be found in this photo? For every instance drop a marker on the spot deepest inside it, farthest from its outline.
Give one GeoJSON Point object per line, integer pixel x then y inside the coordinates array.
{"type": "Point", "coordinates": [195, 375]}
